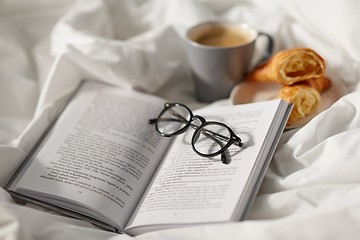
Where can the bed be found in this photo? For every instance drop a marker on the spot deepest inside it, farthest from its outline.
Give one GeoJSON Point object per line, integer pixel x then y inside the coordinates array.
{"type": "Point", "coordinates": [311, 189]}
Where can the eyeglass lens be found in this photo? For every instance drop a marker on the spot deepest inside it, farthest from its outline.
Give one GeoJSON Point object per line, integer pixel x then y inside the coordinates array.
{"type": "Point", "coordinates": [173, 119]}
{"type": "Point", "coordinates": [207, 140]}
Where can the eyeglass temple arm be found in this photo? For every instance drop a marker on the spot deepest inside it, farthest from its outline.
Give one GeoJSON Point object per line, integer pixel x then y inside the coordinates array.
{"type": "Point", "coordinates": [222, 137]}
{"type": "Point", "coordinates": [153, 120]}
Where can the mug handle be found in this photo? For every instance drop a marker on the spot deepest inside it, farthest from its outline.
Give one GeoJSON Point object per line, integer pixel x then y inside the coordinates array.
{"type": "Point", "coordinates": [267, 53]}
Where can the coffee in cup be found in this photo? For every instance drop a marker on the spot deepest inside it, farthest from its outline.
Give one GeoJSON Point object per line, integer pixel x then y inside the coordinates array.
{"type": "Point", "coordinates": [224, 36]}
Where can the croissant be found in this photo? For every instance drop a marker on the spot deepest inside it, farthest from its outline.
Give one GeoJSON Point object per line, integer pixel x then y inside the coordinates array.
{"type": "Point", "coordinates": [289, 66]}
{"type": "Point", "coordinates": [305, 96]}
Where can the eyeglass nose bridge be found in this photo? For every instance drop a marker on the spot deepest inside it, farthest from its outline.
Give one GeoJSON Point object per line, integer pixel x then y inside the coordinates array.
{"type": "Point", "coordinates": [202, 120]}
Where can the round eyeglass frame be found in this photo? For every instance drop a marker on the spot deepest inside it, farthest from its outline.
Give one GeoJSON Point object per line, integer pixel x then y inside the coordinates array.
{"type": "Point", "coordinates": [233, 139]}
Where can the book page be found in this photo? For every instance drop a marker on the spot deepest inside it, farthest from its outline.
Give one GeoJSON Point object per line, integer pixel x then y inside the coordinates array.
{"type": "Point", "coordinates": [101, 152]}
{"type": "Point", "coordinates": [192, 189]}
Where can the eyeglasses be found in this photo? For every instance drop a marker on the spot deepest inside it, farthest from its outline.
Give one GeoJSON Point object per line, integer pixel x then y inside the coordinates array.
{"type": "Point", "coordinates": [209, 139]}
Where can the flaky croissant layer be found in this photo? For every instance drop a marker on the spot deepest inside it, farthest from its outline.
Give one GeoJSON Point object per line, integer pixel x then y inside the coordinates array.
{"type": "Point", "coordinates": [305, 95]}
{"type": "Point", "coordinates": [306, 100]}
{"type": "Point", "coordinates": [289, 66]}
{"type": "Point", "coordinates": [300, 65]}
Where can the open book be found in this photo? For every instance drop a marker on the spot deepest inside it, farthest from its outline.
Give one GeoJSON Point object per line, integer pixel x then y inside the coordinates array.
{"type": "Point", "coordinates": [102, 162]}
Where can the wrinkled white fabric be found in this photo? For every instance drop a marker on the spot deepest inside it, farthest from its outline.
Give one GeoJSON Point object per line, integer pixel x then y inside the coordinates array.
{"type": "Point", "coordinates": [312, 187]}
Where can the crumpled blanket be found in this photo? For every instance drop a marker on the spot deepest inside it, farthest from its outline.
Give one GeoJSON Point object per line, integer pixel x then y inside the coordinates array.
{"type": "Point", "coordinates": [312, 187]}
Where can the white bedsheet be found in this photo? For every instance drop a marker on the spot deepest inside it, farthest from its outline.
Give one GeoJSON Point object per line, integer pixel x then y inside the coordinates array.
{"type": "Point", "coordinates": [312, 187]}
